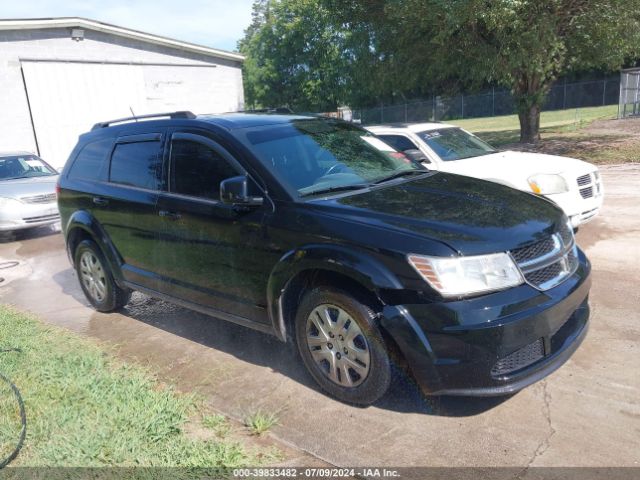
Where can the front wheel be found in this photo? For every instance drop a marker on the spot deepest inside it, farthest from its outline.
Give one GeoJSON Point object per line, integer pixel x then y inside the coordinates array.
{"type": "Point", "coordinates": [96, 279]}
{"type": "Point", "coordinates": [342, 347]}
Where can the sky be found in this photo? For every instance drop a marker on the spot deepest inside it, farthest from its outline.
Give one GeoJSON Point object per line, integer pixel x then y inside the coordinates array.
{"type": "Point", "coordinates": [213, 23]}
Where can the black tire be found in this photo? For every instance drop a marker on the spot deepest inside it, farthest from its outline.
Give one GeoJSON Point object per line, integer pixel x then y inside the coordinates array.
{"type": "Point", "coordinates": [365, 389]}
{"type": "Point", "coordinates": [108, 297]}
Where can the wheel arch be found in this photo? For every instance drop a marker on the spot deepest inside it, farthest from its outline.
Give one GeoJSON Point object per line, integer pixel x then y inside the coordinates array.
{"type": "Point", "coordinates": [83, 226]}
{"type": "Point", "coordinates": [317, 265]}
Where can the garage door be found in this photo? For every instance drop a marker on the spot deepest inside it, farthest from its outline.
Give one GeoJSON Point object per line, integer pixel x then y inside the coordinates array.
{"type": "Point", "coordinates": [67, 98]}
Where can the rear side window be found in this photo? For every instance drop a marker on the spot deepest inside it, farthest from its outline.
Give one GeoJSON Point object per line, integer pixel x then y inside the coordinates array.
{"type": "Point", "coordinates": [138, 164]}
{"type": "Point", "coordinates": [91, 162]}
{"type": "Point", "coordinates": [399, 142]}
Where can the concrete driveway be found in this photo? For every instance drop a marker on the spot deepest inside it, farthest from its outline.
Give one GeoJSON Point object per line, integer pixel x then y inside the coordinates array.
{"type": "Point", "coordinates": [585, 414]}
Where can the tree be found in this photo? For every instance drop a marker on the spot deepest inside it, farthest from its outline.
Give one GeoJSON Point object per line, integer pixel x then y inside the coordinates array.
{"type": "Point", "coordinates": [524, 45]}
{"type": "Point", "coordinates": [316, 54]}
{"type": "Point", "coordinates": [294, 56]}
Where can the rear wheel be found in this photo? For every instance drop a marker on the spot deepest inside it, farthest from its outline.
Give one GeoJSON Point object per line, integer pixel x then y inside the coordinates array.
{"type": "Point", "coordinates": [96, 279]}
{"type": "Point", "coordinates": [342, 347]}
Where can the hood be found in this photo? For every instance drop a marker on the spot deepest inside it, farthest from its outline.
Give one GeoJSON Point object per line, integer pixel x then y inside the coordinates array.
{"type": "Point", "coordinates": [469, 215]}
{"type": "Point", "coordinates": [26, 187]}
{"type": "Point", "coordinates": [514, 168]}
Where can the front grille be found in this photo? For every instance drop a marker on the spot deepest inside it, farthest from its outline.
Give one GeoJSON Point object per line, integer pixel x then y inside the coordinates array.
{"type": "Point", "coordinates": [586, 192]}
{"type": "Point", "coordinates": [519, 359]}
{"type": "Point", "coordinates": [46, 198]}
{"type": "Point", "coordinates": [584, 180]}
{"type": "Point", "coordinates": [548, 262]}
{"type": "Point", "coordinates": [41, 218]}
{"type": "Point", "coordinates": [525, 254]}
{"type": "Point", "coordinates": [544, 275]}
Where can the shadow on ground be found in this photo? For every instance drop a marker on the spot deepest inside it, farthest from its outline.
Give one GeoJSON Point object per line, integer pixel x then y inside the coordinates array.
{"type": "Point", "coordinates": [265, 350]}
{"type": "Point", "coordinates": [28, 234]}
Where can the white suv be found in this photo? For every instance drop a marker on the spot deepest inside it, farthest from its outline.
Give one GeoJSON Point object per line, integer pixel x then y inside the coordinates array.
{"type": "Point", "coordinates": [573, 184]}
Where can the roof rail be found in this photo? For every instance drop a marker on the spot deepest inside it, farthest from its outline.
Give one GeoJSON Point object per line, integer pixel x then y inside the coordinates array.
{"type": "Point", "coordinates": [285, 110]}
{"type": "Point", "coordinates": [182, 114]}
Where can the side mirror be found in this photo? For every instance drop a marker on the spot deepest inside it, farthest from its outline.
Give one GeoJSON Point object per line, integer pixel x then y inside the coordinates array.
{"type": "Point", "coordinates": [239, 191]}
{"type": "Point", "coordinates": [417, 156]}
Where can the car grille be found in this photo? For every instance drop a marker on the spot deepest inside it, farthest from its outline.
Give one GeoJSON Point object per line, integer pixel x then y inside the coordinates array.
{"type": "Point", "coordinates": [519, 359]}
{"type": "Point", "coordinates": [584, 180]}
{"type": "Point", "coordinates": [589, 185]}
{"type": "Point", "coordinates": [548, 262]}
{"type": "Point", "coordinates": [41, 218]}
{"type": "Point", "coordinates": [46, 198]}
{"type": "Point", "coordinates": [586, 192]}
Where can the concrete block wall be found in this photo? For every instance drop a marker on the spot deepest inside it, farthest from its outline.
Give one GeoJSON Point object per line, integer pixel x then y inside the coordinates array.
{"type": "Point", "coordinates": [55, 44]}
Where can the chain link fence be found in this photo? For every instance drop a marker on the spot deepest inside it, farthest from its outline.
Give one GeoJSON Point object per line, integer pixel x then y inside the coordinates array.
{"type": "Point", "coordinates": [629, 105]}
{"type": "Point", "coordinates": [491, 103]}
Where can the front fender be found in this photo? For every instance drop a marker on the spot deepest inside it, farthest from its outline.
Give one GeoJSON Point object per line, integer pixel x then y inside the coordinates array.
{"type": "Point", "coordinates": [83, 220]}
{"type": "Point", "coordinates": [356, 265]}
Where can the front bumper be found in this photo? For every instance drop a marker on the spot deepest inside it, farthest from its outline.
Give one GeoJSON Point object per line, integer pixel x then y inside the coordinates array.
{"type": "Point", "coordinates": [28, 216]}
{"type": "Point", "coordinates": [495, 344]}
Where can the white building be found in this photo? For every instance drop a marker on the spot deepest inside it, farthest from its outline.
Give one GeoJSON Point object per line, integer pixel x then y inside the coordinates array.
{"type": "Point", "coordinates": [59, 76]}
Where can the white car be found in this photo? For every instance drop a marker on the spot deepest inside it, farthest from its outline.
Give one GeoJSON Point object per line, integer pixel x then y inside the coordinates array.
{"type": "Point", "coordinates": [573, 184]}
{"type": "Point", "coordinates": [27, 192]}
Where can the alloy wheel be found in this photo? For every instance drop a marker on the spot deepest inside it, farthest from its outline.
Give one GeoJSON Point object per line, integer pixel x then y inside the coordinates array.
{"type": "Point", "coordinates": [338, 346]}
{"type": "Point", "coordinates": [93, 276]}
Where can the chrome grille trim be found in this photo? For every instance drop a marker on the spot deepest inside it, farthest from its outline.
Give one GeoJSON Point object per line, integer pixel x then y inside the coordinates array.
{"type": "Point", "coordinates": [35, 199]}
{"type": "Point", "coordinates": [554, 265]}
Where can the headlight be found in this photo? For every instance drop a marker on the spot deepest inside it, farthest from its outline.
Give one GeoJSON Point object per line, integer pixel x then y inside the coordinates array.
{"type": "Point", "coordinates": [546, 184]}
{"type": "Point", "coordinates": [9, 202]}
{"type": "Point", "coordinates": [455, 276]}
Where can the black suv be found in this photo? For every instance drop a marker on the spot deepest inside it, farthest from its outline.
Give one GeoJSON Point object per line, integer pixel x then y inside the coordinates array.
{"type": "Point", "coordinates": [314, 231]}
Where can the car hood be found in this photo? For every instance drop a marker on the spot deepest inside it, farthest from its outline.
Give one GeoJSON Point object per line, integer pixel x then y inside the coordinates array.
{"type": "Point", "coordinates": [514, 168]}
{"type": "Point", "coordinates": [469, 215]}
{"type": "Point", "coordinates": [25, 187]}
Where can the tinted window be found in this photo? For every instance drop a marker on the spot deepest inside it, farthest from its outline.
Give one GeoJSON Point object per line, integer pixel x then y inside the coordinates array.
{"type": "Point", "coordinates": [399, 142]}
{"type": "Point", "coordinates": [455, 144]}
{"type": "Point", "coordinates": [91, 162]}
{"type": "Point", "coordinates": [138, 164]}
{"type": "Point", "coordinates": [197, 169]}
{"type": "Point", "coordinates": [318, 155]}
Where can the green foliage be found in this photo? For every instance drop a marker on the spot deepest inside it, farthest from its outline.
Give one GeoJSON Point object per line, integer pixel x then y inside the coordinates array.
{"type": "Point", "coordinates": [261, 422]}
{"type": "Point", "coordinates": [294, 56]}
{"type": "Point", "coordinates": [317, 54]}
{"type": "Point", "coordinates": [84, 409]}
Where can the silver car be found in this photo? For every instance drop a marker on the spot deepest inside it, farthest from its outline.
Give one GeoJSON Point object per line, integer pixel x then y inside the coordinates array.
{"type": "Point", "coordinates": [27, 192]}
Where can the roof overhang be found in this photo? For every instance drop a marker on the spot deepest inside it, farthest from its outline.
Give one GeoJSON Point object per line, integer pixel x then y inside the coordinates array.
{"type": "Point", "coordinates": [78, 22]}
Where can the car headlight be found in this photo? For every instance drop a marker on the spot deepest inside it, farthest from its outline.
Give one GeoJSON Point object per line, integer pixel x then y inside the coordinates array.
{"type": "Point", "coordinates": [457, 276]}
{"type": "Point", "coordinates": [546, 184]}
{"type": "Point", "coordinates": [6, 202]}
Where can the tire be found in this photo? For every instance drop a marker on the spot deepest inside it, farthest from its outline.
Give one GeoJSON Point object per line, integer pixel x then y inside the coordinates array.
{"type": "Point", "coordinates": [350, 361]}
{"type": "Point", "coordinates": [96, 279]}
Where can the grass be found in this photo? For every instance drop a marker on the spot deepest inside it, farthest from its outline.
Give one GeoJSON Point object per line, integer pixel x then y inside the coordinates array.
{"type": "Point", "coordinates": [565, 132]}
{"type": "Point", "coordinates": [556, 120]}
{"type": "Point", "coordinates": [261, 422]}
{"type": "Point", "coordinates": [217, 423]}
{"type": "Point", "coordinates": [84, 408]}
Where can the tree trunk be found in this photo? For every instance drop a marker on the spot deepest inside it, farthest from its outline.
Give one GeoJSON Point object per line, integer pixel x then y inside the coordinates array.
{"type": "Point", "coordinates": [529, 124]}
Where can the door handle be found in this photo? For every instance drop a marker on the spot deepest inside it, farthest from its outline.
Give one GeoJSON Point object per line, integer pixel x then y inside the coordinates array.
{"type": "Point", "coordinates": [100, 201]}
{"type": "Point", "coordinates": [169, 215]}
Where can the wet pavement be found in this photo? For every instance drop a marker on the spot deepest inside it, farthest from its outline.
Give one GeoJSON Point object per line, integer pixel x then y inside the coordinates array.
{"type": "Point", "coordinates": [585, 414]}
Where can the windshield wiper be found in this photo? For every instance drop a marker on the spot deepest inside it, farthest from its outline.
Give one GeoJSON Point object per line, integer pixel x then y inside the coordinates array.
{"type": "Point", "coordinates": [337, 188]}
{"type": "Point", "coordinates": [399, 174]}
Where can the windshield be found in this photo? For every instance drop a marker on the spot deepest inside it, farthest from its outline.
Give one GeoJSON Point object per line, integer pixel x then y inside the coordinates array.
{"type": "Point", "coordinates": [24, 166]}
{"type": "Point", "coordinates": [455, 144]}
{"type": "Point", "coordinates": [317, 155]}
